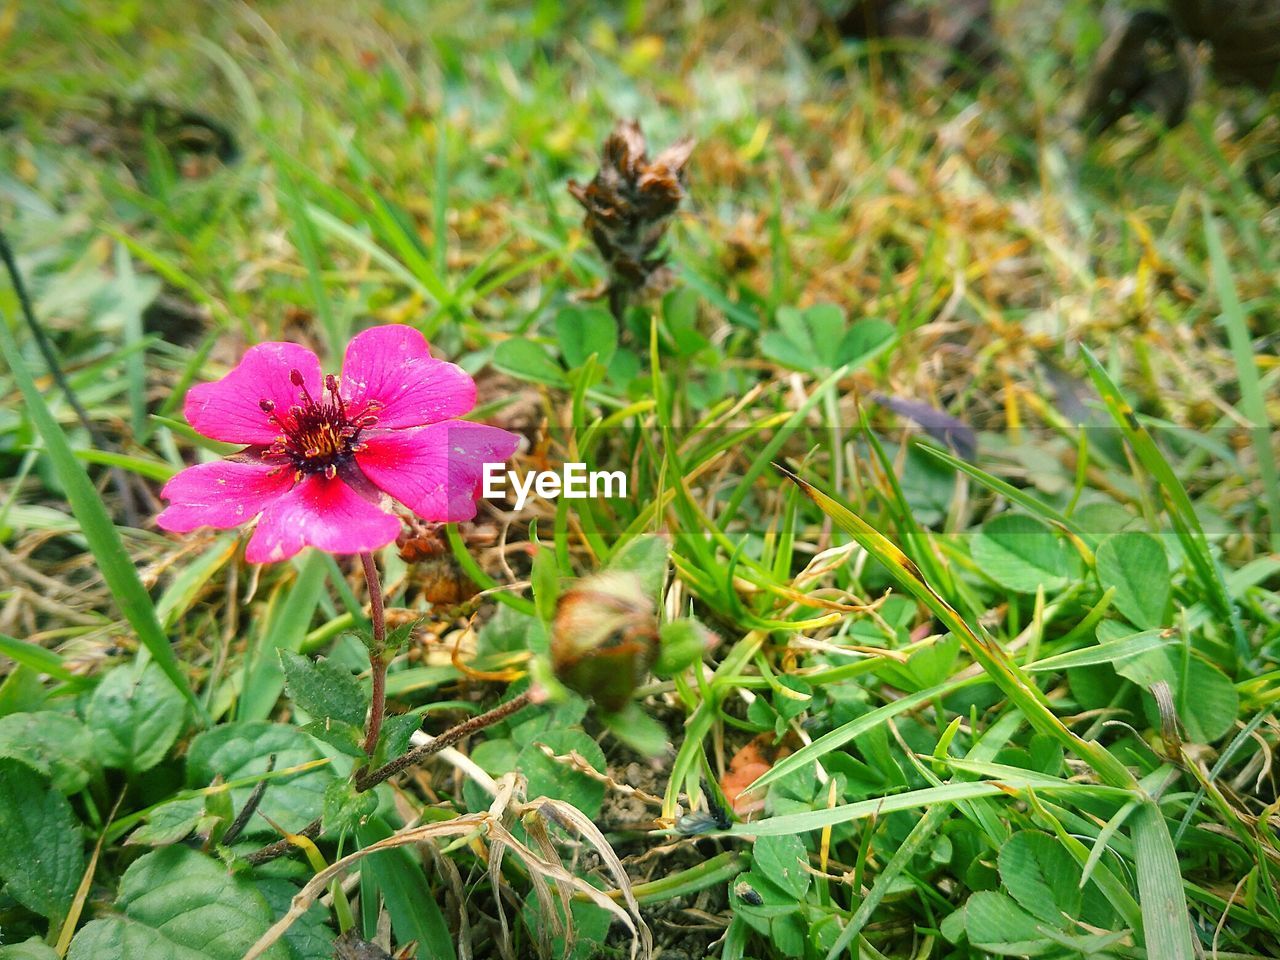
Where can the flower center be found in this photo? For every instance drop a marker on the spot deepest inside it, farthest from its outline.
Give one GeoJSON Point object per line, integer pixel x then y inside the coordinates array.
{"type": "Point", "coordinates": [318, 436]}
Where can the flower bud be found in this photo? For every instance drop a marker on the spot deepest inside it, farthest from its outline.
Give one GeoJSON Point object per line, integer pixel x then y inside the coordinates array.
{"type": "Point", "coordinates": [604, 638]}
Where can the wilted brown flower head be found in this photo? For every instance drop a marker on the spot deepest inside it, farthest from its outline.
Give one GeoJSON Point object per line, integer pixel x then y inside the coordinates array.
{"type": "Point", "coordinates": [629, 205]}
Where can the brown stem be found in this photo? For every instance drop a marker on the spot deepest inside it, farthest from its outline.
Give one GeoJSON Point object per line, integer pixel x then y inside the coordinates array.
{"type": "Point", "coordinates": [281, 847]}
{"type": "Point", "coordinates": [377, 654]}
{"type": "Point", "coordinates": [367, 781]}
{"type": "Point", "coordinates": [618, 303]}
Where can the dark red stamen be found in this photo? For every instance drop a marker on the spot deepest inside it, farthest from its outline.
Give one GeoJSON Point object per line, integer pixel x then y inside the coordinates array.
{"type": "Point", "coordinates": [317, 436]}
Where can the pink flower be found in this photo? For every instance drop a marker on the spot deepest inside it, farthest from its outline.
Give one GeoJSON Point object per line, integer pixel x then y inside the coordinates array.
{"type": "Point", "coordinates": [325, 454]}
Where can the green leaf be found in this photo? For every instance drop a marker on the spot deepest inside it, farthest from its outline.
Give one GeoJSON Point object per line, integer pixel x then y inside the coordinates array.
{"type": "Point", "coordinates": [33, 949]}
{"type": "Point", "coordinates": [1206, 700]}
{"type": "Point", "coordinates": [639, 731]}
{"type": "Point", "coordinates": [994, 922]}
{"type": "Point", "coordinates": [237, 750]}
{"type": "Point", "coordinates": [1181, 510]}
{"type": "Point", "coordinates": [38, 658]}
{"type": "Point", "coordinates": [545, 580]}
{"type": "Point", "coordinates": [1039, 873]}
{"type": "Point", "coordinates": [169, 823]}
{"type": "Point", "coordinates": [1020, 553]}
{"type": "Point", "coordinates": [286, 630]}
{"type": "Point", "coordinates": [177, 904]}
{"type": "Point", "coordinates": [398, 876]}
{"type": "Point", "coordinates": [135, 715]}
{"type": "Point", "coordinates": [309, 937]}
{"type": "Point", "coordinates": [1113, 652]}
{"type": "Point", "coordinates": [323, 689]}
{"type": "Point", "coordinates": [1136, 565]}
{"type": "Point", "coordinates": [57, 745]}
{"type": "Point", "coordinates": [113, 561]}
{"type": "Point", "coordinates": [346, 737]}
{"type": "Point", "coordinates": [344, 808]}
{"type": "Point", "coordinates": [583, 331]}
{"type": "Point", "coordinates": [863, 341]}
{"type": "Point", "coordinates": [1013, 682]}
{"type": "Point", "coordinates": [41, 848]}
{"type": "Point", "coordinates": [548, 778]}
{"type": "Point", "coordinates": [525, 360]}
{"type": "Point", "coordinates": [783, 860]}
{"type": "Point", "coordinates": [647, 557]}
{"type": "Point", "coordinates": [925, 797]}
{"type": "Point", "coordinates": [1164, 907]}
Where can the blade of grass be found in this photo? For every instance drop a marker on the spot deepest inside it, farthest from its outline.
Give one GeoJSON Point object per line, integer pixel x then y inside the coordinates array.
{"type": "Point", "coordinates": [308, 244]}
{"type": "Point", "coordinates": [264, 680]}
{"type": "Point", "coordinates": [838, 737]}
{"type": "Point", "coordinates": [1164, 907]}
{"type": "Point", "coordinates": [989, 655]}
{"type": "Point", "coordinates": [38, 659]}
{"type": "Point", "coordinates": [1181, 511]}
{"type": "Point", "coordinates": [117, 567]}
{"type": "Point", "coordinates": [1251, 397]}
{"type": "Point", "coordinates": [810, 820]}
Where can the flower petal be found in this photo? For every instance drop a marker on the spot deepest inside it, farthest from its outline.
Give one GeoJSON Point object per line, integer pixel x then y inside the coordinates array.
{"type": "Point", "coordinates": [222, 494]}
{"type": "Point", "coordinates": [321, 513]}
{"type": "Point", "coordinates": [436, 470]}
{"type": "Point", "coordinates": [392, 364]}
{"type": "Point", "coordinates": [230, 409]}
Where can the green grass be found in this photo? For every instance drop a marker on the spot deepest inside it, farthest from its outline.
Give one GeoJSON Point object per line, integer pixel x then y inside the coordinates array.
{"type": "Point", "coordinates": [1020, 704]}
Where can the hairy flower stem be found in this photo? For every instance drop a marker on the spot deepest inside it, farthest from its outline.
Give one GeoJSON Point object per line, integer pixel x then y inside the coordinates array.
{"type": "Point", "coordinates": [377, 654]}
{"type": "Point", "coordinates": [618, 304]}
{"type": "Point", "coordinates": [367, 781]}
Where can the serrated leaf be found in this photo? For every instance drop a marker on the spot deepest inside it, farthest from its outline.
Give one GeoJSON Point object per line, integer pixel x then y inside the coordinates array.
{"type": "Point", "coordinates": [236, 750]}
{"type": "Point", "coordinates": [177, 904]}
{"type": "Point", "coordinates": [397, 731]}
{"type": "Point", "coordinates": [344, 808]}
{"type": "Point", "coordinates": [135, 716]}
{"type": "Point", "coordinates": [1136, 565]}
{"type": "Point", "coordinates": [340, 735]}
{"type": "Point", "coordinates": [55, 744]}
{"type": "Point", "coordinates": [783, 860]}
{"type": "Point", "coordinates": [169, 823]}
{"type": "Point", "coordinates": [1020, 553]}
{"type": "Point", "coordinates": [41, 848]}
{"type": "Point", "coordinates": [324, 689]}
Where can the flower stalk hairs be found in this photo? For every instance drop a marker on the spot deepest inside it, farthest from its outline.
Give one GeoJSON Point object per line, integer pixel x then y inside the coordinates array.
{"type": "Point", "coordinates": [326, 458]}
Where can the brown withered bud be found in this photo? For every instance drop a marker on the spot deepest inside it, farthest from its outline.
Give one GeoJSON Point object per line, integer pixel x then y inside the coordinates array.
{"type": "Point", "coordinates": [441, 581]}
{"type": "Point", "coordinates": [604, 638]}
{"type": "Point", "coordinates": [629, 205]}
